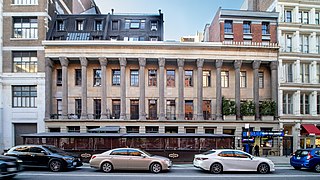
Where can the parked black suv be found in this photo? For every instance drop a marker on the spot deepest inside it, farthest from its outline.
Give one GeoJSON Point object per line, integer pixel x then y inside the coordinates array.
{"type": "Point", "coordinates": [9, 167]}
{"type": "Point", "coordinates": [44, 156]}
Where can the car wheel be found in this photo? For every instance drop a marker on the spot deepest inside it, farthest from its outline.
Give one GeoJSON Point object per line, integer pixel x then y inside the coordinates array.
{"type": "Point", "coordinates": [106, 167]}
{"type": "Point", "coordinates": [216, 168]}
{"type": "Point", "coordinates": [317, 168]}
{"type": "Point", "coordinates": [55, 165]}
{"type": "Point", "coordinates": [297, 168]}
{"type": "Point", "coordinates": [155, 168]}
{"type": "Point", "coordinates": [263, 168]}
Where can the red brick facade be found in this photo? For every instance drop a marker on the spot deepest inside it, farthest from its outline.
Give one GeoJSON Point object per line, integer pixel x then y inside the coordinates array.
{"type": "Point", "coordinates": [256, 30]}
{"type": "Point", "coordinates": [237, 33]}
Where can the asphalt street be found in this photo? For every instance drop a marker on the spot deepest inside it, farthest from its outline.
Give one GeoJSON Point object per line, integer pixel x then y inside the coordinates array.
{"type": "Point", "coordinates": [177, 173]}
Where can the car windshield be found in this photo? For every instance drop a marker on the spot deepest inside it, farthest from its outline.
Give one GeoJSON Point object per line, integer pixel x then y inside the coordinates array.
{"type": "Point", "coordinates": [148, 154]}
{"type": "Point", "coordinates": [55, 149]}
{"type": "Point", "coordinates": [302, 153]}
{"type": "Point", "coordinates": [209, 152]}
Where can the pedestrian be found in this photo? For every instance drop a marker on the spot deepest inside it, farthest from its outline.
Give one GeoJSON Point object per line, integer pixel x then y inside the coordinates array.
{"type": "Point", "coordinates": [256, 150]}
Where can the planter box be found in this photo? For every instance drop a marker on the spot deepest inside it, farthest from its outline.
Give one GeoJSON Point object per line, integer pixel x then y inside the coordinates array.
{"type": "Point", "coordinates": [248, 118]}
{"type": "Point", "coordinates": [267, 118]}
{"type": "Point", "coordinates": [229, 118]}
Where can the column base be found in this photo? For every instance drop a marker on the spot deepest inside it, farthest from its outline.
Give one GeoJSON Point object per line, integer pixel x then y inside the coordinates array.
{"type": "Point", "coordinates": [123, 117]}
{"type": "Point", "coordinates": [218, 117]}
{"type": "Point", "coordinates": [162, 118]}
{"type": "Point", "coordinates": [84, 116]}
{"type": "Point", "coordinates": [104, 116]}
{"type": "Point", "coordinates": [200, 117]}
{"type": "Point", "coordinates": [143, 117]}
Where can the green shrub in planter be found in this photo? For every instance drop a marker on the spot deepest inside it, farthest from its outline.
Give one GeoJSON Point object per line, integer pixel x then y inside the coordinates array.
{"type": "Point", "coordinates": [247, 108]}
{"type": "Point", "coordinates": [228, 107]}
{"type": "Point", "coordinates": [268, 108]}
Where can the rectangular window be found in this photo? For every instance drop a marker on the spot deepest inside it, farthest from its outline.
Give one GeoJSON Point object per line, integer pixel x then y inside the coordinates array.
{"type": "Point", "coordinates": [191, 130]}
{"type": "Point", "coordinates": [305, 73]}
{"type": "Point", "coordinates": [98, 25]}
{"type": "Point", "coordinates": [73, 129]}
{"type": "Point", "coordinates": [246, 27]}
{"type": "Point", "coordinates": [304, 17]}
{"type": "Point", "coordinates": [304, 43]}
{"type": "Point", "coordinates": [116, 77]}
{"type": "Point", "coordinates": [77, 108]}
{"type": "Point", "coordinates": [142, 24]}
{"type": "Point", "coordinates": [152, 129]}
{"type": "Point", "coordinates": [132, 129]}
{"type": "Point", "coordinates": [265, 28]}
{"type": "Point", "coordinates": [225, 79]}
{"type": "Point", "coordinates": [318, 44]}
{"type": "Point", "coordinates": [243, 79]}
{"type": "Point", "coordinates": [153, 38]}
{"type": "Point", "coordinates": [97, 108]}
{"type": "Point", "coordinates": [152, 80]}
{"type": "Point", "coordinates": [134, 109]}
{"type": "Point", "coordinates": [188, 78]}
{"type": "Point", "coordinates": [59, 77]}
{"type": "Point", "coordinates": [228, 27]}
{"type": "Point", "coordinates": [26, 62]}
{"type": "Point", "coordinates": [78, 77]}
{"type": "Point", "coordinates": [154, 25]}
{"type": "Point", "coordinates": [288, 71]}
{"type": "Point", "coordinates": [318, 103]}
{"type": "Point", "coordinates": [97, 77]}
{"type": "Point", "coordinates": [304, 104]}
{"type": "Point", "coordinates": [318, 72]}
{"type": "Point", "coordinates": [288, 16]}
{"type": "Point", "coordinates": [79, 25]}
{"type": "Point", "coordinates": [60, 25]}
{"type": "Point", "coordinates": [25, 27]}
{"type": "Point", "coordinates": [171, 109]}
{"type": "Point", "coordinates": [134, 24]}
{"type": "Point", "coordinates": [261, 80]}
{"type": "Point", "coordinates": [206, 78]}
{"type": "Point", "coordinates": [115, 25]}
{"type": "Point", "coordinates": [287, 103]}
{"type": "Point", "coordinates": [59, 108]}
{"type": "Point", "coordinates": [171, 78]}
{"type": "Point", "coordinates": [188, 109]}
{"type": "Point", "coordinates": [116, 108]}
{"type": "Point", "coordinates": [24, 96]}
{"type": "Point", "coordinates": [25, 2]}
{"type": "Point", "coordinates": [134, 77]}
{"type": "Point", "coordinates": [317, 17]}
{"type": "Point", "coordinates": [153, 113]}
{"type": "Point", "coordinates": [209, 130]}
{"type": "Point", "coordinates": [206, 107]}
{"type": "Point", "coordinates": [288, 41]}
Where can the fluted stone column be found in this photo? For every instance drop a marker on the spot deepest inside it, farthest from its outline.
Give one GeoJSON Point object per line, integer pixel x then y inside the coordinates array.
{"type": "Point", "coordinates": [84, 85]}
{"type": "Point", "coordinates": [256, 66]}
{"type": "Point", "coordinates": [237, 66]}
{"type": "Point", "coordinates": [48, 87]}
{"type": "Point", "coordinates": [103, 63]}
{"type": "Point", "coordinates": [181, 89]}
{"type": "Point", "coordinates": [123, 64]}
{"type": "Point", "coordinates": [64, 63]}
{"type": "Point", "coordinates": [161, 62]}
{"type": "Point", "coordinates": [218, 90]}
{"type": "Point", "coordinates": [200, 89]}
{"type": "Point", "coordinates": [274, 83]}
{"type": "Point", "coordinates": [142, 84]}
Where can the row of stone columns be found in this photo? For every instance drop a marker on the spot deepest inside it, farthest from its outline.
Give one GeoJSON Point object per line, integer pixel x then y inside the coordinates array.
{"type": "Point", "coordinates": [161, 61]}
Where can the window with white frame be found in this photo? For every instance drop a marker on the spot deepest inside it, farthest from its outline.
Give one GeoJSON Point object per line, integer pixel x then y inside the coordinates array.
{"type": "Point", "coordinates": [206, 78]}
{"type": "Point", "coordinates": [288, 16]}
{"type": "Point", "coordinates": [288, 43]}
{"type": "Point", "coordinates": [287, 106]}
{"type": "Point", "coordinates": [25, 2]}
{"type": "Point", "coordinates": [304, 103]}
{"type": "Point", "coordinates": [318, 44]}
{"type": "Point", "coordinates": [25, 27]}
{"type": "Point", "coordinates": [116, 77]}
{"type": "Point", "coordinates": [134, 77]}
{"type": "Point", "coordinates": [25, 61]}
{"type": "Point", "coordinates": [317, 17]}
{"type": "Point", "coordinates": [304, 17]}
{"type": "Point", "coordinates": [265, 28]}
{"type": "Point", "coordinates": [225, 79]}
{"type": "Point", "coordinates": [243, 79]}
{"type": "Point", "coordinates": [24, 96]}
{"type": "Point", "coordinates": [79, 25]}
{"type": "Point", "coordinates": [60, 25]}
{"type": "Point", "coordinates": [228, 26]}
{"type": "Point", "coordinates": [318, 72]}
{"type": "Point", "coordinates": [246, 27]}
{"type": "Point", "coordinates": [288, 72]}
{"type": "Point", "coordinates": [304, 43]}
{"type": "Point", "coordinates": [305, 73]}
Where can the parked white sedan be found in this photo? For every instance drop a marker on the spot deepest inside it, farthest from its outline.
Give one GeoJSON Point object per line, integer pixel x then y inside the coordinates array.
{"type": "Point", "coordinates": [217, 161]}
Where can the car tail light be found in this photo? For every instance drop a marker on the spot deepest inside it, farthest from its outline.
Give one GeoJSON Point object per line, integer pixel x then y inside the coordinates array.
{"type": "Point", "coordinates": [92, 157]}
{"type": "Point", "coordinates": [309, 156]}
{"type": "Point", "coordinates": [201, 159]}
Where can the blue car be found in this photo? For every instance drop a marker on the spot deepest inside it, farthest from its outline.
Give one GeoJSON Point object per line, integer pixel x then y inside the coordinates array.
{"type": "Point", "coordinates": [306, 158]}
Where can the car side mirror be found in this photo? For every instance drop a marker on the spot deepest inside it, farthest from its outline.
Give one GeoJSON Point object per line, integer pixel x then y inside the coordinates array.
{"type": "Point", "coordinates": [143, 155]}
{"type": "Point", "coordinates": [44, 152]}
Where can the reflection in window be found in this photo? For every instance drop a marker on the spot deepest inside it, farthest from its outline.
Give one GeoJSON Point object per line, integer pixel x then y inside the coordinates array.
{"type": "Point", "coordinates": [152, 77]}
{"type": "Point", "coordinates": [78, 77]}
{"type": "Point", "coordinates": [24, 61]}
{"type": "Point", "coordinates": [25, 27]}
{"type": "Point", "coordinates": [116, 77]}
{"type": "Point", "coordinates": [97, 77]}
{"type": "Point", "coordinates": [24, 96]}
{"type": "Point", "coordinates": [170, 78]}
{"type": "Point", "coordinates": [206, 78]}
{"type": "Point", "coordinates": [188, 78]}
{"type": "Point", "coordinates": [134, 78]}
{"type": "Point", "coordinates": [225, 79]}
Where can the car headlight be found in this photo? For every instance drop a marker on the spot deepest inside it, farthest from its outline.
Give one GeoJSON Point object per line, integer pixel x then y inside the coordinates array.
{"type": "Point", "coordinates": [19, 161]}
{"type": "Point", "coordinates": [167, 161]}
{"type": "Point", "coordinates": [69, 158]}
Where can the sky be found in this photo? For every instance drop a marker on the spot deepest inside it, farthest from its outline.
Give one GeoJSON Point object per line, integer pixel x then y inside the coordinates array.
{"type": "Point", "coordinates": [181, 17]}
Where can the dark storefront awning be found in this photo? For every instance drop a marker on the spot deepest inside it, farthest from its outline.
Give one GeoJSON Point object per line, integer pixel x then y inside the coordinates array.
{"type": "Point", "coordinates": [311, 129]}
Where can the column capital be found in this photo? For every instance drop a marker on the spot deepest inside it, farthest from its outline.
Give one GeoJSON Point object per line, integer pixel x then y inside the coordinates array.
{"type": "Point", "coordinates": [64, 61]}
{"type": "Point", "coordinates": [83, 61]}
{"type": "Point", "coordinates": [142, 61]}
{"type": "Point", "coordinates": [103, 61]}
{"type": "Point", "coordinates": [162, 62]}
{"type": "Point", "coordinates": [219, 63]}
{"type": "Point", "coordinates": [123, 61]}
{"type": "Point", "coordinates": [49, 62]}
{"type": "Point", "coordinates": [274, 65]}
{"type": "Point", "coordinates": [256, 64]}
{"type": "Point", "coordinates": [180, 62]}
{"type": "Point", "coordinates": [200, 63]}
{"type": "Point", "coordinates": [237, 64]}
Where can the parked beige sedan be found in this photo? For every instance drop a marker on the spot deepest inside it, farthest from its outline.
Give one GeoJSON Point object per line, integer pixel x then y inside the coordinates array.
{"type": "Point", "coordinates": [129, 159]}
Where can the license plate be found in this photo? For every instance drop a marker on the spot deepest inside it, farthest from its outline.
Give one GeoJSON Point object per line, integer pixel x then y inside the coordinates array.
{"type": "Point", "coordinates": [12, 169]}
{"type": "Point", "coordinates": [298, 157]}
{"type": "Point", "coordinates": [74, 163]}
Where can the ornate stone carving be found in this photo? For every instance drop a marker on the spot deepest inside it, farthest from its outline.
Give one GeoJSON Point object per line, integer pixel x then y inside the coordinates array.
{"type": "Point", "coordinates": [180, 62]}
{"type": "Point", "coordinates": [142, 61]}
{"type": "Point", "coordinates": [162, 62]}
{"type": "Point", "coordinates": [64, 61]}
{"type": "Point", "coordinates": [200, 63]}
{"type": "Point", "coordinates": [103, 61]}
{"type": "Point", "coordinates": [237, 64]}
{"type": "Point", "coordinates": [256, 64]}
{"type": "Point", "coordinates": [274, 65]}
{"type": "Point", "coordinates": [219, 63]}
{"type": "Point", "coordinates": [123, 61]}
{"type": "Point", "coordinates": [49, 62]}
{"type": "Point", "coordinates": [83, 61]}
